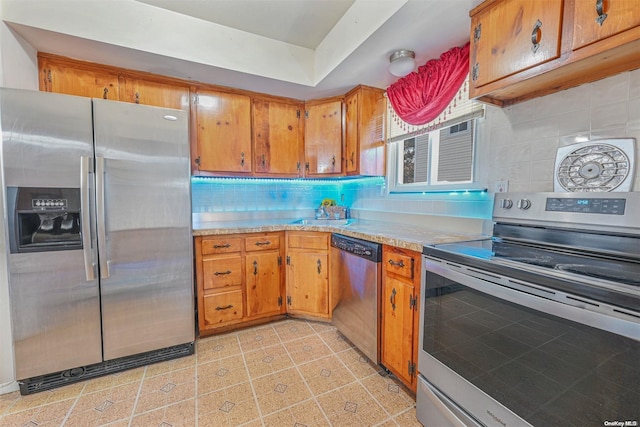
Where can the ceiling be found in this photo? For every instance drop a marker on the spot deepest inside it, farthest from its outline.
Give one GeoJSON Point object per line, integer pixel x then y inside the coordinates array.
{"type": "Point", "coordinates": [302, 49]}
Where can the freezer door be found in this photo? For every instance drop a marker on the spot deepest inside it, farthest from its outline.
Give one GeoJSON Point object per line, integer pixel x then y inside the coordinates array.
{"type": "Point", "coordinates": [47, 141]}
{"type": "Point", "coordinates": [143, 209]}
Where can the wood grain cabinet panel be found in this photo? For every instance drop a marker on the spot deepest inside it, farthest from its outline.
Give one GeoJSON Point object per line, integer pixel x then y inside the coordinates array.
{"type": "Point", "coordinates": [223, 132]}
{"type": "Point", "coordinates": [277, 137]}
{"type": "Point", "coordinates": [523, 49]}
{"type": "Point", "coordinates": [512, 36]}
{"type": "Point", "coordinates": [365, 112]}
{"type": "Point", "coordinates": [222, 307]}
{"type": "Point", "coordinates": [73, 78]}
{"type": "Point", "coordinates": [263, 273]}
{"type": "Point", "coordinates": [323, 138]}
{"type": "Point", "coordinates": [239, 279]}
{"type": "Point", "coordinates": [307, 273]}
{"type": "Point", "coordinates": [595, 21]}
{"type": "Point", "coordinates": [147, 92]}
{"type": "Point", "coordinates": [399, 307]}
{"type": "Point", "coordinates": [222, 270]}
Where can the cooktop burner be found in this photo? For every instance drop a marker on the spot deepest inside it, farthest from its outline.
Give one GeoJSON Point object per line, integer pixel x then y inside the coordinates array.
{"type": "Point", "coordinates": [598, 277]}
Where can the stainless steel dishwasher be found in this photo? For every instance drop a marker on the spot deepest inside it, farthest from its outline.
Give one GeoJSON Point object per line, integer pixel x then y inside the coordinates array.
{"type": "Point", "coordinates": [355, 266]}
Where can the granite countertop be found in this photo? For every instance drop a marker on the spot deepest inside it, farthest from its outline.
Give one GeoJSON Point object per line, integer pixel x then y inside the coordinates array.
{"type": "Point", "coordinates": [406, 236]}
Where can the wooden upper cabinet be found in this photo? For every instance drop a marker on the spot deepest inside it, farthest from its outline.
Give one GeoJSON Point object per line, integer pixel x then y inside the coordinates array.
{"type": "Point", "coordinates": [154, 93]}
{"type": "Point", "coordinates": [223, 132]}
{"type": "Point", "coordinates": [365, 109]}
{"type": "Point", "coordinates": [277, 137]}
{"type": "Point", "coordinates": [596, 20]}
{"type": "Point", "coordinates": [574, 48]}
{"type": "Point", "coordinates": [323, 138]}
{"type": "Point", "coordinates": [513, 35]}
{"type": "Point", "coordinates": [75, 79]}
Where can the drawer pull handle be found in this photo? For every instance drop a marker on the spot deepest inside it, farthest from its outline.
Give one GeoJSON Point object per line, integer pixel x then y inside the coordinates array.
{"type": "Point", "coordinates": [226, 307]}
{"type": "Point", "coordinates": [268, 242]}
{"type": "Point", "coordinates": [255, 268]}
{"type": "Point", "coordinates": [226, 245]}
{"type": "Point", "coordinates": [319, 266]}
{"type": "Point", "coordinates": [600, 10]}
{"type": "Point", "coordinates": [396, 264]}
{"type": "Point", "coordinates": [392, 300]}
{"type": "Point", "coordinates": [536, 36]}
{"type": "Point", "coordinates": [222, 273]}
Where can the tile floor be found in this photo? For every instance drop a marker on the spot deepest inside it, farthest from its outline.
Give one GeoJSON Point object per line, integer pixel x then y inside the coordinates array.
{"type": "Point", "coordinates": [288, 373]}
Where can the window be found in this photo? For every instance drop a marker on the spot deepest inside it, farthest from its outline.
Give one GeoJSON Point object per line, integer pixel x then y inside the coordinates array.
{"type": "Point", "coordinates": [436, 156]}
{"type": "Point", "coordinates": [440, 159]}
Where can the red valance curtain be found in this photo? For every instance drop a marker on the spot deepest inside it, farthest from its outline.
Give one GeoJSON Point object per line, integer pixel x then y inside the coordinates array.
{"type": "Point", "coordinates": [421, 96]}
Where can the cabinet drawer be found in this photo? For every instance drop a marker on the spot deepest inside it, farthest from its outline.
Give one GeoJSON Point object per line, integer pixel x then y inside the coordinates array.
{"type": "Point", "coordinates": [221, 245]}
{"type": "Point", "coordinates": [262, 243]}
{"type": "Point", "coordinates": [308, 240]}
{"type": "Point", "coordinates": [399, 264]}
{"type": "Point", "coordinates": [222, 307]}
{"type": "Point", "coordinates": [221, 271]}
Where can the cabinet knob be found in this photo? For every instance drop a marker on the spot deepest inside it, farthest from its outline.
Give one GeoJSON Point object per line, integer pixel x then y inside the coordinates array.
{"type": "Point", "coordinates": [600, 10]}
{"type": "Point", "coordinates": [536, 36]}
{"type": "Point", "coordinates": [396, 264]}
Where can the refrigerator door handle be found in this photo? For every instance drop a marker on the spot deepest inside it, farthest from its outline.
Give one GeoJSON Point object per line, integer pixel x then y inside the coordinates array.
{"type": "Point", "coordinates": [89, 265]}
{"type": "Point", "coordinates": [100, 213]}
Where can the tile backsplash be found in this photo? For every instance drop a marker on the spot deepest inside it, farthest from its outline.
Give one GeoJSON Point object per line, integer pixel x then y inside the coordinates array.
{"type": "Point", "coordinates": [519, 143]}
{"type": "Point", "coordinates": [247, 194]}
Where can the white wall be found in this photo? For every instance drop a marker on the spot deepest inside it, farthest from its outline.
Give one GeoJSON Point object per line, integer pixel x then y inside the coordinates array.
{"type": "Point", "coordinates": [18, 69]}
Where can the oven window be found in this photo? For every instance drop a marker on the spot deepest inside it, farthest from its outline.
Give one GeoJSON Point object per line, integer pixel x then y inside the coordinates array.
{"type": "Point", "coordinates": [548, 370]}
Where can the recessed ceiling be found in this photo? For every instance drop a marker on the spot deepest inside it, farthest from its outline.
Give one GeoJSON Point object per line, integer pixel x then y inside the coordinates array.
{"type": "Point", "coordinates": [302, 23]}
{"type": "Point", "coordinates": [303, 49]}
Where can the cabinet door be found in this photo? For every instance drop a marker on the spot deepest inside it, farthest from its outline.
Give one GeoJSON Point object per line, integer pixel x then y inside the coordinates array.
{"type": "Point", "coordinates": [222, 307]}
{"type": "Point", "coordinates": [277, 137]}
{"type": "Point", "coordinates": [307, 282]}
{"type": "Point", "coordinates": [513, 35]}
{"type": "Point", "coordinates": [594, 21]}
{"type": "Point", "coordinates": [222, 271]}
{"type": "Point", "coordinates": [263, 279]}
{"type": "Point", "coordinates": [223, 132]}
{"type": "Point", "coordinates": [398, 327]}
{"type": "Point", "coordinates": [352, 159]}
{"type": "Point", "coordinates": [153, 93]}
{"type": "Point", "coordinates": [323, 138]}
{"type": "Point", "coordinates": [73, 79]}
{"type": "Point", "coordinates": [371, 129]}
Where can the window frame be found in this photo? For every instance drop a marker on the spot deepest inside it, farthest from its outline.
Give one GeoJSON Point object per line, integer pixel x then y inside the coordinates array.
{"type": "Point", "coordinates": [395, 155]}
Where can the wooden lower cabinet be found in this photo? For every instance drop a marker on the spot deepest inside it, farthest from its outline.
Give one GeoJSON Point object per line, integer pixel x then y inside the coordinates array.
{"type": "Point", "coordinates": [308, 273]}
{"type": "Point", "coordinates": [238, 279]}
{"type": "Point", "coordinates": [400, 313]}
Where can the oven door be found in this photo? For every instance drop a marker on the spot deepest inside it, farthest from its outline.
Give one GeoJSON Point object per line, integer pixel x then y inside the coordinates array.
{"type": "Point", "coordinates": [502, 353]}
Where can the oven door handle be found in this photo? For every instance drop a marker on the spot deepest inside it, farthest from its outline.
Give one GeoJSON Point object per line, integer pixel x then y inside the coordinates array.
{"type": "Point", "coordinates": [443, 408]}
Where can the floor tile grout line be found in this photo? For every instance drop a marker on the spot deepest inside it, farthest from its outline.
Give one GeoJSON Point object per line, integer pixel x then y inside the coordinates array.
{"type": "Point", "coordinates": [66, 417]}
{"type": "Point", "coordinates": [253, 390]}
{"type": "Point", "coordinates": [135, 402]}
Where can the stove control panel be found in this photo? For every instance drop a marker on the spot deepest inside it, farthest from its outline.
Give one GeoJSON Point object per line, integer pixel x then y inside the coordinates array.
{"type": "Point", "coordinates": [603, 211]}
{"type": "Point", "coordinates": [586, 205]}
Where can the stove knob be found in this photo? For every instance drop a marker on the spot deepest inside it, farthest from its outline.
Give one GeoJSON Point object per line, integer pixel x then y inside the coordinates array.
{"type": "Point", "coordinates": [524, 204]}
{"type": "Point", "coordinates": [506, 203]}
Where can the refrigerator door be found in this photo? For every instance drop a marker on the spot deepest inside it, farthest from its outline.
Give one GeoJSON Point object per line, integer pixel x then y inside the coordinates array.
{"type": "Point", "coordinates": [47, 141]}
{"type": "Point", "coordinates": [143, 209]}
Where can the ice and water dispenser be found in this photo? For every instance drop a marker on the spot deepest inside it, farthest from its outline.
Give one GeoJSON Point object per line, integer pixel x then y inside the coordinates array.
{"type": "Point", "coordinates": [44, 219]}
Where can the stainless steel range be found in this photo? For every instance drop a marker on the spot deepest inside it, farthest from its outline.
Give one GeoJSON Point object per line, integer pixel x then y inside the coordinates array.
{"type": "Point", "coordinates": [540, 324]}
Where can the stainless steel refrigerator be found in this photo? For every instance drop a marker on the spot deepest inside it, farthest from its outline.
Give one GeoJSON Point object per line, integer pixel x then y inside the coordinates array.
{"type": "Point", "coordinates": [98, 235]}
